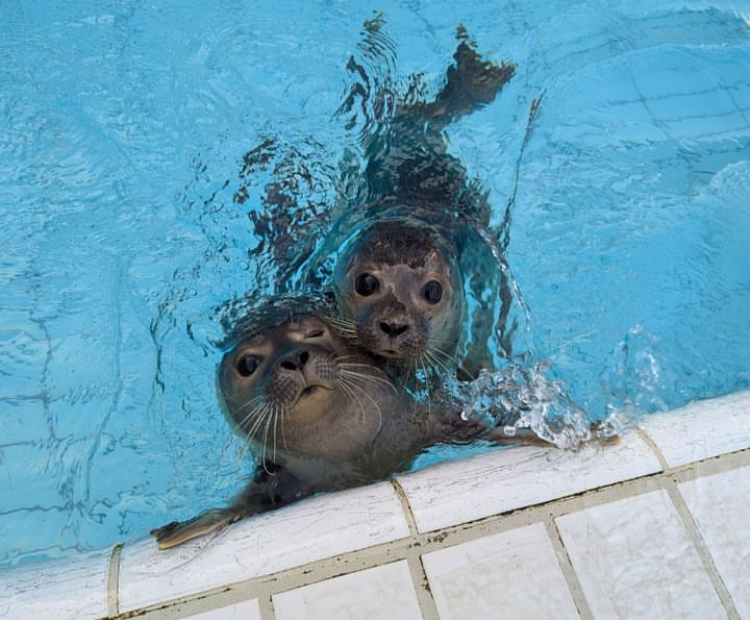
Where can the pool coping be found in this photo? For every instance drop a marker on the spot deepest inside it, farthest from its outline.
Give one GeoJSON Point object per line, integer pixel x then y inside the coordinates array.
{"type": "Point", "coordinates": [402, 520]}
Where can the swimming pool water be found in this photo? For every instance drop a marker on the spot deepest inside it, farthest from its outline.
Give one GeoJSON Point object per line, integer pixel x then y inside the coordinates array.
{"type": "Point", "coordinates": [123, 127]}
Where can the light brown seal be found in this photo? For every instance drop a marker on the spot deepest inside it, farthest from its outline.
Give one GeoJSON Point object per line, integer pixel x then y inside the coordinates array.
{"type": "Point", "coordinates": [319, 415]}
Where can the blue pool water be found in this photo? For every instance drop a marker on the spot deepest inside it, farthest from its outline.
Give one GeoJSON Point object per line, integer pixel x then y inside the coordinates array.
{"type": "Point", "coordinates": [123, 127]}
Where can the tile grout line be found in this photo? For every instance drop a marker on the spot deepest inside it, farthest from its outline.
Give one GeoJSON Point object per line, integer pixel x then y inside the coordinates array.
{"type": "Point", "coordinates": [422, 587]}
{"type": "Point", "coordinates": [566, 566]}
{"type": "Point", "coordinates": [411, 520]}
{"type": "Point", "coordinates": [265, 603]}
{"type": "Point", "coordinates": [414, 560]}
{"type": "Point", "coordinates": [113, 581]}
{"type": "Point", "coordinates": [703, 552]}
{"type": "Point", "coordinates": [691, 527]}
{"type": "Point", "coordinates": [653, 447]}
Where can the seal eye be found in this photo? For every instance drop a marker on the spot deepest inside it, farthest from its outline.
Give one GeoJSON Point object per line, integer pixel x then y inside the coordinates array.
{"type": "Point", "coordinates": [432, 292]}
{"type": "Point", "coordinates": [366, 284]}
{"type": "Point", "coordinates": [315, 334]}
{"type": "Point", "coordinates": [247, 365]}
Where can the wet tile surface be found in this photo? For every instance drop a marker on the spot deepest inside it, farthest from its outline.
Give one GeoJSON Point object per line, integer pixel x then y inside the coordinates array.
{"type": "Point", "coordinates": [382, 593]}
{"type": "Point", "coordinates": [513, 575]}
{"type": "Point", "coordinates": [74, 588]}
{"type": "Point", "coordinates": [634, 559]}
{"type": "Point", "coordinates": [311, 530]}
{"type": "Point", "coordinates": [247, 610]}
{"type": "Point", "coordinates": [701, 429]}
{"type": "Point", "coordinates": [490, 484]}
{"type": "Point", "coordinates": [720, 505]}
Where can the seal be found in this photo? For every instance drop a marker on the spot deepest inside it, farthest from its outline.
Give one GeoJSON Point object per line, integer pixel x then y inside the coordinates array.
{"type": "Point", "coordinates": [422, 280]}
{"type": "Point", "coordinates": [318, 415]}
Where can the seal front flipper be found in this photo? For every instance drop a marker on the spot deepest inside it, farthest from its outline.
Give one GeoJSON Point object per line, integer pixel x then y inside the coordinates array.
{"type": "Point", "coordinates": [273, 487]}
{"type": "Point", "coordinates": [597, 434]}
{"type": "Point", "coordinates": [178, 532]}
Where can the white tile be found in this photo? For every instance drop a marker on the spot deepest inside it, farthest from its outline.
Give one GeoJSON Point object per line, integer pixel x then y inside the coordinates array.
{"type": "Point", "coordinates": [702, 429]}
{"type": "Point", "coordinates": [513, 575]}
{"type": "Point", "coordinates": [720, 505]}
{"type": "Point", "coordinates": [490, 484]}
{"type": "Point", "coordinates": [382, 593]}
{"type": "Point", "coordinates": [634, 559]}
{"type": "Point", "coordinates": [246, 610]}
{"type": "Point", "coordinates": [74, 588]}
{"type": "Point", "coordinates": [310, 530]}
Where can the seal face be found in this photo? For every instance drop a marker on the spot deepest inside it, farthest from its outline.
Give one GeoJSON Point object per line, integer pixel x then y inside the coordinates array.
{"type": "Point", "coordinates": [298, 389]}
{"type": "Point", "coordinates": [400, 287]}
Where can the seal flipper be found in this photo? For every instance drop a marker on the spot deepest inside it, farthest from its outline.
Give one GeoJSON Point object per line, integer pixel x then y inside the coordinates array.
{"type": "Point", "coordinates": [598, 433]}
{"type": "Point", "coordinates": [273, 487]}
{"type": "Point", "coordinates": [470, 83]}
{"type": "Point", "coordinates": [178, 532]}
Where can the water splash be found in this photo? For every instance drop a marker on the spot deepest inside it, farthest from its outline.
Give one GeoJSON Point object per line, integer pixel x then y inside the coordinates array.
{"type": "Point", "coordinates": [524, 397]}
{"type": "Point", "coordinates": [634, 380]}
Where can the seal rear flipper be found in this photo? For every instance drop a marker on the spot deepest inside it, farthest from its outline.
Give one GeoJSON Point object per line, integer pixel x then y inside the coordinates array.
{"type": "Point", "coordinates": [471, 82]}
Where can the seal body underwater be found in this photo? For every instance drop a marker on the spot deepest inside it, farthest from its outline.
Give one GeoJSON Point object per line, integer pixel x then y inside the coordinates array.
{"type": "Point", "coordinates": [413, 279]}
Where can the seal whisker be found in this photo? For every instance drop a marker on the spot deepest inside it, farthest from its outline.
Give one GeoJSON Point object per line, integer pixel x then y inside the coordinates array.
{"type": "Point", "coordinates": [283, 432]}
{"type": "Point", "coordinates": [257, 424]}
{"type": "Point", "coordinates": [374, 369]}
{"type": "Point", "coordinates": [444, 354]}
{"type": "Point", "coordinates": [265, 442]}
{"type": "Point", "coordinates": [380, 380]}
{"type": "Point", "coordinates": [343, 384]}
{"type": "Point", "coordinates": [445, 357]}
{"type": "Point", "coordinates": [251, 418]}
{"type": "Point", "coordinates": [253, 412]}
{"type": "Point", "coordinates": [342, 322]}
{"type": "Point", "coordinates": [252, 402]}
{"type": "Point", "coordinates": [275, 417]}
{"type": "Point", "coordinates": [424, 366]}
{"type": "Point", "coordinates": [353, 384]}
{"type": "Point", "coordinates": [435, 361]}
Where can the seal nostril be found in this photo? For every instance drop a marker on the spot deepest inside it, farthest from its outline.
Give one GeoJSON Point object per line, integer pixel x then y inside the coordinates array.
{"type": "Point", "coordinates": [288, 365]}
{"type": "Point", "coordinates": [393, 329]}
{"type": "Point", "coordinates": [303, 357]}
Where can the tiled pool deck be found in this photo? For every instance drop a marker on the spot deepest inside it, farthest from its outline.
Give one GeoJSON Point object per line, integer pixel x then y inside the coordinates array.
{"type": "Point", "coordinates": [657, 526]}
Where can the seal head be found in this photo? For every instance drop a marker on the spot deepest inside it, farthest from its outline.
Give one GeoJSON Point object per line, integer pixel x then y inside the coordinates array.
{"type": "Point", "coordinates": [297, 389]}
{"type": "Point", "coordinates": [399, 286]}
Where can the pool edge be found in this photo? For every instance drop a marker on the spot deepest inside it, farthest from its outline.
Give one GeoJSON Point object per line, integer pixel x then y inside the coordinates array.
{"type": "Point", "coordinates": [401, 522]}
